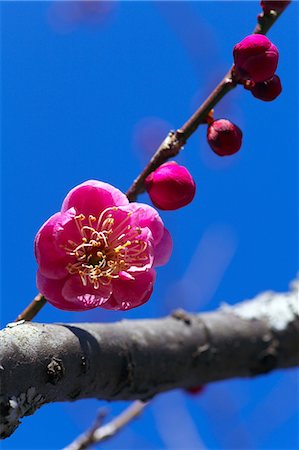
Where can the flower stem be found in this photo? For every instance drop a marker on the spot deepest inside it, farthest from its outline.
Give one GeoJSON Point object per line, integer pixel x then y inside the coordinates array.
{"type": "Point", "coordinates": [32, 309]}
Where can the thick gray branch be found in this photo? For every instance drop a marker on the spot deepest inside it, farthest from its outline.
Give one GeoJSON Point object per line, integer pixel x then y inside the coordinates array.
{"type": "Point", "coordinates": [42, 363]}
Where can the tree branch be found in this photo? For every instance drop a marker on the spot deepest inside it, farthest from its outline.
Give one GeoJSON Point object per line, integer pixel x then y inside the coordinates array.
{"type": "Point", "coordinates": [136, 359]}
{"type": "Point", "coordinates": [99, 433]}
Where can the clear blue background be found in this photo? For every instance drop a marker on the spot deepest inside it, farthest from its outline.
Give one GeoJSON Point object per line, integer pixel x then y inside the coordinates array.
{"type": "Point", "coordinates": [89, 92]}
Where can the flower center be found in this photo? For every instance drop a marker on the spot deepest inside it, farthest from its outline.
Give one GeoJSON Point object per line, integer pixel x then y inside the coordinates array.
{"type": "Point", "coordinates": [106, 250]}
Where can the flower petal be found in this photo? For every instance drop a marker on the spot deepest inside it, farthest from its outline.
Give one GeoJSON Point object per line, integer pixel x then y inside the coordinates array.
{"type": "Point", "coordinates": [51, 258]}
{"type": "Point", "coordinates": [143, 261]}
{"type": "Point", "coordinates": [52, 290]}
{"type": "Point", "coordinates": [67, 233]}
{"type": "Point", "coordinates": [128, 294]}
{"type": "Point", "coordinates": [111, 304]}
{"type": "Point", "coordinates": [126, 229]}
{"type": "Point", "coordinates": [125, 275]}
{"type": "Point", "coordinates": [146, 216]}
{"type": "Point", "coordinates": [163, 250]}
{"type": "Point", "coordinates": [74, 291]}
{"type": "Point", "coordinates": [92, 197]}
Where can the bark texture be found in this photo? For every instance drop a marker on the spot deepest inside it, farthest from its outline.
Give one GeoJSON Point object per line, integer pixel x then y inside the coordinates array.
{"type": "Point", "coordinates": [136, 359]}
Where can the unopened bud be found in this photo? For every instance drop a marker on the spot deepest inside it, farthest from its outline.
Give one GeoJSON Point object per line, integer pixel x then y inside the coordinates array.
{"type": "Point", "coordinates": [224, 137]}
{"type": "Point", "coordinates": [255, 58]}
{"type": "Point", "coordinates": [267, 90]}
{"type": "Point", "coordinates": [170, 187]}
{"type": "Point", "coordinates": [196, 390]}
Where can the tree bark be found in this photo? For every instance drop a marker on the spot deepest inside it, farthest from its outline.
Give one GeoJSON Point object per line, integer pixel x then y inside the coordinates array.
{"type": "Point", "coordinates": [136, 359]}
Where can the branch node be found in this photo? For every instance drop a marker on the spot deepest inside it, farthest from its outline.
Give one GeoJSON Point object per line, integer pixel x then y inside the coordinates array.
{"type": "Point", "coordinates": [55, 371]}
{"type": "Point", "coordinates": [180, 314]}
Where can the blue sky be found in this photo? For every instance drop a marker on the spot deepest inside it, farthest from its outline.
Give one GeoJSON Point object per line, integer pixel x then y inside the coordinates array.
{"type": "Point", "coordinates": [90, 95]}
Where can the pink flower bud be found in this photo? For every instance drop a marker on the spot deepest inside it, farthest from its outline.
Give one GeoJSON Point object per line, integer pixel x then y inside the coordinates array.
{"type": "Point", "coordinates": [224, 137]}
{"type": "Point", "coordinates": [275, 5]}
{"type": "Point", "coordinates": [170, 186]}
{"type": "Point", "coordinates": [267, 90]}
{"type": "Point", "coordinates": [255, 58]}
{"type": "Point", "coordinates": [196, 390]}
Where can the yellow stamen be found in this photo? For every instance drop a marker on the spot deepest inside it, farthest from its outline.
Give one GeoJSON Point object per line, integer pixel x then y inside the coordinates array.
{"type": "Point", "coordinates": [102, 254]}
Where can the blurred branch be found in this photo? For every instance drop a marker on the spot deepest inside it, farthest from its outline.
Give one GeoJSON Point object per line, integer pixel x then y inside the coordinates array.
{"type": "Point", "coordinates": [136, 359]}
{"type": "Point", "coordinates": [98, 433]}
{"type": "Point", "coordinates": [175, 140]}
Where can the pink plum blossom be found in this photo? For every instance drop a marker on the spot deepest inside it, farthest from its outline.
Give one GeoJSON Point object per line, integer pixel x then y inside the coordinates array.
{"type": "Point", "coordinates": [100, 250]}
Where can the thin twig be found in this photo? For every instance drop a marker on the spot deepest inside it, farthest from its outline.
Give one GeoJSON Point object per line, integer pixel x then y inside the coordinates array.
{"type": "Point", "coordinates": [32, 309]}
{"type": "Point", "coordinates": [86, 439]}
{"type": "Point", "coordinates": [101, 433]}
{"type": "Point", "coordinates": [266, 20]}
{"type": "Point", "coordinates": [175, 140]}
